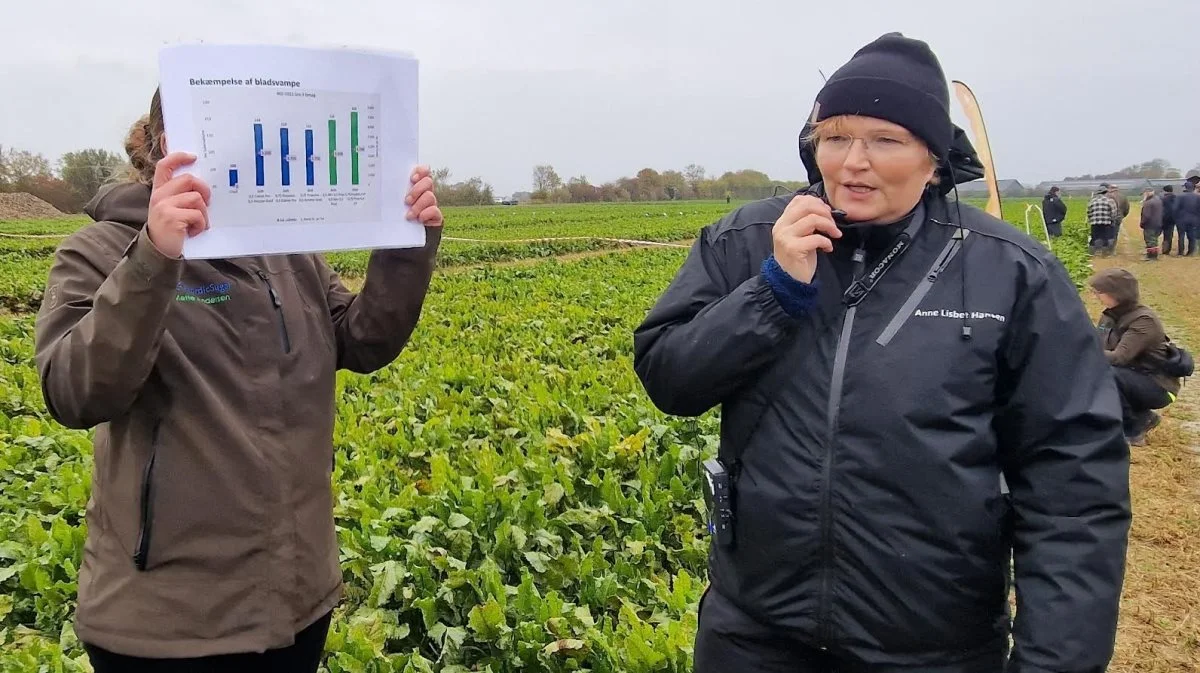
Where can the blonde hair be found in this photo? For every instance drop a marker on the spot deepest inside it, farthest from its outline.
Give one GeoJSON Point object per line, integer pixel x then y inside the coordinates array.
{"type": "Point", "coordinates": [837, 125]}
{"type": "Point", "coordinates": [143, 144]}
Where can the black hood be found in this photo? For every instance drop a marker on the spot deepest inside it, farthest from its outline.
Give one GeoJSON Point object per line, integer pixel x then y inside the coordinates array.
{"type": "Point", "coordinates": [962, 159]}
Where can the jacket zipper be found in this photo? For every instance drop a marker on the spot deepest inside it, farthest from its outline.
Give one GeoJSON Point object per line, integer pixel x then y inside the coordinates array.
{"type": "Point", "coordinates": [918, 294]}
{"type": "Point", "coordinates": [835, 400]}
{"type": "Point", "coordinates": [278, 304]}
{"type": "Point", "coordinates": [142, 553]}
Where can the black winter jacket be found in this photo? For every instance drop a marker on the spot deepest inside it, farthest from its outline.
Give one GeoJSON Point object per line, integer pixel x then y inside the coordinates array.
{"type": "Point", "coordinates": [1186, 209]}
{"type": "Point", "coordinates": [1168, 201]}
{"type": "Point", "coordinates": [1053, 208]}
{"type": "Point", "coordinates": [870, 442]}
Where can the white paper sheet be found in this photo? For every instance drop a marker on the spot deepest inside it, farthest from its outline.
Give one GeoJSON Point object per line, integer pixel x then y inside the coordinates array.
{"type": "Point", "coordinates": [306, 150]}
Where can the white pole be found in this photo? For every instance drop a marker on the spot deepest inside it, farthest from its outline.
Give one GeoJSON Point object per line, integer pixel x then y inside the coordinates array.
{"type": "Point", "coordinates": [1045, 229]}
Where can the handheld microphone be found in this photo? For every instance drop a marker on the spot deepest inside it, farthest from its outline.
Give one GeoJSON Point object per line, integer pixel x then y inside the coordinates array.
{"type": "Point", "coordinates": [841, 219]}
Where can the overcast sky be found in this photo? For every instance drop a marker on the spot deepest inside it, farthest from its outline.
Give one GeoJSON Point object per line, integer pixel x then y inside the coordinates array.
{"type": "Point", "coordinates": [604, 88]}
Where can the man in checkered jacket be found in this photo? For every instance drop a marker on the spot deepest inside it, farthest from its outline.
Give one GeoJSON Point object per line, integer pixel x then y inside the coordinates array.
{"type": "Point", "coordinates": [1102, 216]}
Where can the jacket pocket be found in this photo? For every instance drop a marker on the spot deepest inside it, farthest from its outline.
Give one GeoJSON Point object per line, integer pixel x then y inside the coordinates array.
{"type": "Point", "coordinates": [141, 553]}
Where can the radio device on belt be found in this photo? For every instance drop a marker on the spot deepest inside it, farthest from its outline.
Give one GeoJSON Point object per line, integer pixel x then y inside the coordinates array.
{"type": "Point", "coordinates": [718, 494]}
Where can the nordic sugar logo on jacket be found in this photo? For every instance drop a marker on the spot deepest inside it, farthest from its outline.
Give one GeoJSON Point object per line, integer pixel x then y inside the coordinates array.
{"type": "Point", "coordinates": [212, 293]}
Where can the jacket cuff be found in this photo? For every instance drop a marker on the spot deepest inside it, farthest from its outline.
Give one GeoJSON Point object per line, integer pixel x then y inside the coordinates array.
{"type": "Point", "coordinates": [797, 298]}
{"type": "Point", "coordinates": [433, 240]}
{"type": "Point", "coordinates": [148, 260]}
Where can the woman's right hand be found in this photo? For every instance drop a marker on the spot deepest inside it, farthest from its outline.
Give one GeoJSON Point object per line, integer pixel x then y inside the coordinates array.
{"type": "Point", "coordinates": [805, 227]}
{"type": "Point", "coordinates": [178, 205]}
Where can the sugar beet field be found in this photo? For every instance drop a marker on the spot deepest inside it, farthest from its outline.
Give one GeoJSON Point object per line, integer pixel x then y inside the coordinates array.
{"type": "Point", "coordinates": [507, 498]}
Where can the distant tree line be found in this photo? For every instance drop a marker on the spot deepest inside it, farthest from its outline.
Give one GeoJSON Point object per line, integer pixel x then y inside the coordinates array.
{"type": "Point", "coordinates": [648, 184]}
{"type": "Point", "coordinates": [67, 185]}
{"type": "Point", "coordinates": [471, 192]}
{"type": "Point", "coordinates": [71, 182]}
{"type": "Point", "coordinates": [1155, 169]}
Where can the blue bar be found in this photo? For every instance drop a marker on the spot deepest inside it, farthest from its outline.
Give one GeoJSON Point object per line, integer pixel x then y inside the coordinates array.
{"type": "Point", "coordinates": [308, 157]}
{"type": "Point", "coordinates": [259, 170]}
{"type": "Point", "coordinates": [233, 177]}
{"type": "Point", "coordinates": [284, 166]}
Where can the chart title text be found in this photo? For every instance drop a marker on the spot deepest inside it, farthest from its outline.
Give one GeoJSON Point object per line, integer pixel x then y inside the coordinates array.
{"type": "Point", "coordinates": [252, 81]}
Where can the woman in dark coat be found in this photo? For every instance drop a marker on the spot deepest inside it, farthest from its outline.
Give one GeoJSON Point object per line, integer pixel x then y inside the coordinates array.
{"type": "Point", "coordinates": [882, 357]}
{"type": "Point", "coordinates": [1054, 211]}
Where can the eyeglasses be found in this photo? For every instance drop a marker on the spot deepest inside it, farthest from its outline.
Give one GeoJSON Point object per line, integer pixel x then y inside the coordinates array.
{"type": "Point", "coordinates": [878, 145]}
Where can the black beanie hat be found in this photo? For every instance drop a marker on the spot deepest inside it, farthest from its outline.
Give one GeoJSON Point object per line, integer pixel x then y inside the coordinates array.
{"type": "Point", "coordinates": [897, 79]}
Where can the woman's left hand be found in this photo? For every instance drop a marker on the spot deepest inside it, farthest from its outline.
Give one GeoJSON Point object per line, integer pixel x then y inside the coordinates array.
{"type": "Point", "coordinates": [421, 201]}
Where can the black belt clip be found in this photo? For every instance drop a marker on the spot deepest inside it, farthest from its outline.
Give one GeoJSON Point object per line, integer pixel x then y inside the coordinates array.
{"type": "Point", "coordinates": [718, 494]}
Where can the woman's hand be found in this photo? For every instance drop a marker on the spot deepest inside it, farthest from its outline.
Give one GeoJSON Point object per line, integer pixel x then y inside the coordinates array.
{"type": "Point", "coordinates": [805, 227]}
{"type": "Point", "coordinates": [421, 201]}
{"type": "Point", "coordinates": [178, 205]}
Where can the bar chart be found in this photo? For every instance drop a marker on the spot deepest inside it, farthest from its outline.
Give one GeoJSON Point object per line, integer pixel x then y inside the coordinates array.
{"type": "Point", "coordinates": [336, 176]}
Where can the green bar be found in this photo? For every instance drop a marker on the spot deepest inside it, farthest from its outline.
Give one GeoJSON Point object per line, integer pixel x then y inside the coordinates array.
{"type": "Point", "coordinates": [353, 147]}
{"type": "Point", "coordinates": [332, 152]}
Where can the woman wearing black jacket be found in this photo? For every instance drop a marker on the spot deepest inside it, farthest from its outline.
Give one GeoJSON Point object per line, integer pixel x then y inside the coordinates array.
{"type": "Point", "coordinates": [906, 404]}
{"type": "Point", "coordinates": [1055, 211]}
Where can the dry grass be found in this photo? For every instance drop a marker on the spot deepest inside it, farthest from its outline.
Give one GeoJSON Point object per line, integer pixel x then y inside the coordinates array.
{"type": "Point", "coordinates": [1160, 612]}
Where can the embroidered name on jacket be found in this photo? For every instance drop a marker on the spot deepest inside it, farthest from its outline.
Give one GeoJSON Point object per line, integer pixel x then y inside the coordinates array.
{"type": "Point", "coordinates": [959, 315]}
{"type": "Point", "coordinates": [213, 293]}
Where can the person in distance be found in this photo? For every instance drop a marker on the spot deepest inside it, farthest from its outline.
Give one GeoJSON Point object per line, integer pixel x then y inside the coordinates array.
{"type": "Point", "coordinates": [210, 383]}
{"type": "Point", "coordinates": [1168, 219]}
{"type": "Point", "coordinates": [1186, 211]}
{"type": "Point", "coordinates": [1102, 215]}
{"type": "Point", "coordinates": [1122, 203]}
{"type": "Point", "coordinates": [1055, 211]}
{"type": "Point", "coordinates": [1151, 222]}
{"type": "Point", "coordinates": [910, 395]}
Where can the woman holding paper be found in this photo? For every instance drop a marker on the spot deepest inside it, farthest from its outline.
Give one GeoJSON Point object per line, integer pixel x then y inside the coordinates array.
{"type": "Point", "coordinates": [211, 388]}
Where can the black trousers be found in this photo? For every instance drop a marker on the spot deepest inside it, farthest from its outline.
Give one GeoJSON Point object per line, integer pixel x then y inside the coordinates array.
{"type": "Point", "coordinates": [1103, 238]}
{"type": "Point", "coordinates": [729, 641]}
{"type": "Point", "coordinates": [302, 657]}
{"type": "Point", "coordinates": [1187, 234]}
{"type": "Point", "coordinates": [1168, 237]}
{"type": "Point", "coordinates": [1139, 394]}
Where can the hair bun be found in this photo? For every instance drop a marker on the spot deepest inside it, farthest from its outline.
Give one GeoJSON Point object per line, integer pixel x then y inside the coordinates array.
{"type": "Point", "coordinates": [138, 147]}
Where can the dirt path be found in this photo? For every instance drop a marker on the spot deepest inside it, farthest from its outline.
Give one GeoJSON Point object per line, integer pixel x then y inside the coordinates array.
{"type": "Point", "coordinates": [1160, 616]}
{"type": "Point", "coordinates": [355, 283]}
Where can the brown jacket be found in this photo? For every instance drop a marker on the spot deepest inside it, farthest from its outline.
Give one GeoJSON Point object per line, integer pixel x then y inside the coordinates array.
{"type": "Point", "coordinates": [1122, 205]}
{"type": "Point", "coordinates": [211, 387]}
{"type": "Point", "coordinates": [1133, 335]}
{"type": "Point", "coordinates": [1152, 214]}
